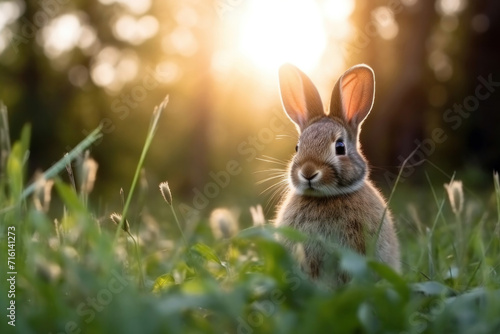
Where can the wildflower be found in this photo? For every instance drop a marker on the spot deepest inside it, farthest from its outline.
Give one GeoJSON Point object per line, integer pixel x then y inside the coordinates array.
{"type": "Point", "coordinates": [42, 194]}
{"type": "Point", "coordinates": [167, 196]}
{"type": "Point", "coordinates": [89, 172]}
{"type": "Point", "coordinates": [165, 191]}
{"type": "Point", "coordinates": [223, 224]}
{"type": "Point", "coordinates": [117, 218]}
{"type": "Point", "coordinates": [257, 215]}
{"type": "Point", "coordinates": [122, 196]}
{"type": "Point", "coordinates": [69, 170]}
{"type": "Point", "coordinates": [456, 196]}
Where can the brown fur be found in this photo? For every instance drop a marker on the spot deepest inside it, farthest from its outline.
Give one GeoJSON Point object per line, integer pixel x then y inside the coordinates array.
{"type": "Point", "coordinates": [329, 194]}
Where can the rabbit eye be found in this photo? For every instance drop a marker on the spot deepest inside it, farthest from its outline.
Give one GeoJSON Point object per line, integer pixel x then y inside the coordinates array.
{"type": "Point", "coordinates": [296, 148]}
{"type": "Point", "coordinates": [340, 147]}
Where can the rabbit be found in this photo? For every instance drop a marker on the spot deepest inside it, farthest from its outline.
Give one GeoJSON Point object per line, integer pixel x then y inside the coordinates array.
{"type": "Point", "coordinates": [329, 194]}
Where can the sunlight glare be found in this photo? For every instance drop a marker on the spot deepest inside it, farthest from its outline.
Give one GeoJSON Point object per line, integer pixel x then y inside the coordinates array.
{"type": "Point", "coordinates": [277, 31]}
{"type": "Point", "coordinates": [338, 10]}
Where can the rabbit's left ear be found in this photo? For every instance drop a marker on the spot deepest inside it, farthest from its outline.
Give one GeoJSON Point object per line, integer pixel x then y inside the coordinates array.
{"type": "Point", "coordinates": [300, 97]}
{"type": "Point", "coordinates": [353, 95]}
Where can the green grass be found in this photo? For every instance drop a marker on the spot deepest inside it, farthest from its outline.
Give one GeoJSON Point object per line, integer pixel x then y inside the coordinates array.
{"type": "Point", "coordinates": [78, 272]}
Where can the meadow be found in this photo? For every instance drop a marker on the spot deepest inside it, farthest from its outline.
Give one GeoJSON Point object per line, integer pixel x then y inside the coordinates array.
{"type": "Point", "coordinates": [148, 269]}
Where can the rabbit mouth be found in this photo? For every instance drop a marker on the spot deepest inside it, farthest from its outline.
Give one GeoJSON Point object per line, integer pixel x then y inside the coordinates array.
{"type": "Point", "coordinates": [313, 189]}
{"type": "Point", "coordinates": [309, 181]}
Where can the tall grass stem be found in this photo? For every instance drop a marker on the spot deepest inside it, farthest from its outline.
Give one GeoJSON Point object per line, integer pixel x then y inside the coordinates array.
{"type": "Point", "coordinates": [149, 138]}
{"type": "Point", "coordinates": [178, 224]}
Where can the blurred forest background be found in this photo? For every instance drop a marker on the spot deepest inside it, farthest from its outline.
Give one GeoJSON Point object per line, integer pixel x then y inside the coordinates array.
{"type": "Point", "coordinates": [68, 66]}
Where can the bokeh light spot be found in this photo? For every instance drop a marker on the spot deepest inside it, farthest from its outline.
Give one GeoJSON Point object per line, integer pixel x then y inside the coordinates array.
{"type": "Point", "coordinates": [450, 7]}
{"type": "Point", "coordinates": [103, 74]}
{"type": "Point", "coordinates": [78, 75]}
{"type": "Point", "coordinates": [61, 35]}
{"type": "Point", "coordinates": [387, 27]}
{"type": "Point", "coordinates": [183, 41]}
{"type": "Point", "coordinates": [135, 31]}
{"type": "Point", "coordinates": [480, 23]}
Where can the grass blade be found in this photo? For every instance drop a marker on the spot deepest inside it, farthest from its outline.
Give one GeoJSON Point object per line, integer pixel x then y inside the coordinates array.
{"type": "Point", "coordinates": [68, 158]}
{"type": "Point", "coordinates": [5, 145]}
{"type": "Point", "coordinates": [58, 166]}
{"type": "Point", "coordinates": [149, 138]}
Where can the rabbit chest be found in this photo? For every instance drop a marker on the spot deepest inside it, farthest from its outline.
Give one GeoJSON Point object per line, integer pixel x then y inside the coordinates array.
{"type": "Point", "coordinates": [345, 220]}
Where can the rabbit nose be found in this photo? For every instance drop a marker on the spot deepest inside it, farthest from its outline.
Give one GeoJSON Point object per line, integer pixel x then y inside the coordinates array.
{"type": "Point", "coordinates": [309, 177]}
{"type": "Point", "coordinates": [309, 173]}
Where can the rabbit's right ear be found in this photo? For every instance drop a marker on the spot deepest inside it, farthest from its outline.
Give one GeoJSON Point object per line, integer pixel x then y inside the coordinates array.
{"type": "Point", "coordinates": [300, 97]}
{"type": "Point", "coordinates": [352, 97]}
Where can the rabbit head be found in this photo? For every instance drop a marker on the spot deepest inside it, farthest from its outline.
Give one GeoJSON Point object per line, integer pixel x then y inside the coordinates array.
{"type": "Point", "coordinates": [328, 161]}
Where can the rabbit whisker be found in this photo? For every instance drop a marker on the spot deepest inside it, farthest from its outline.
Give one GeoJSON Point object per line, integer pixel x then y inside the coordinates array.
{"type": "Point", "coordinates": [271, 178]}
{"type": "Point", "coordinates": [269, 159]}
{"type": "Point", "coordinates": [278, 193]}
{"type": "Point", "coordinates": [272, 170]}
{"type": "Point", "coordinates": [274, 185]}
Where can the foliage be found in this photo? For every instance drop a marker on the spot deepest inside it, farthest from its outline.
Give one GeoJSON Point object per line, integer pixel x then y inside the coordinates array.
{"type": "Point", "coordinates": [72, 277]}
